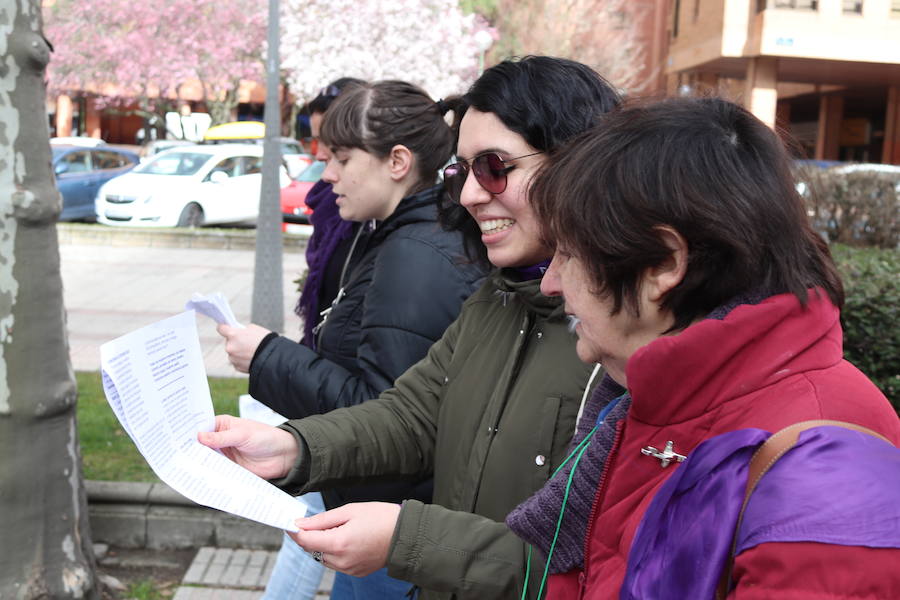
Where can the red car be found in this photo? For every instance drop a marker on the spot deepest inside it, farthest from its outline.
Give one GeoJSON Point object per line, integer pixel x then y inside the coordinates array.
{"type": "Point", "coordinates": [293, 198]}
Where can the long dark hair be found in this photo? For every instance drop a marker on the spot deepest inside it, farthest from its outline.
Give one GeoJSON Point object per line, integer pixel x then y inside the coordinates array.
{"type": "Point", "coordinates": [377, 116]}
{"type": "Point", "coordinates": [546, 100]}
{"type": "Point", "coordinates": [707, 168]}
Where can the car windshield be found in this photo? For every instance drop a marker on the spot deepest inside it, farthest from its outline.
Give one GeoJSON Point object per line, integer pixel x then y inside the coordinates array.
{"type": "Point", "coordinates": [174, 163]}
{"type": "Point", "coordinates": [313, 172]}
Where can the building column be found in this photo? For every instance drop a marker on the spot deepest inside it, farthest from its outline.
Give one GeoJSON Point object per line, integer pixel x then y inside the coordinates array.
{"type": "Point", "coordinates": [891, 152]}
{"type": "Point", "coordinates": [760, 94]}
{"type": "Point", "coordinates": [831, 113]}
{"type": "Point", "coordinates": [63, 116]}
{"type": "Point", "coordinates": [708, 82]}
{"type": "Point", "coordinates": [92, 119]}
{"type": "Point", "coordinates": [783, 115]}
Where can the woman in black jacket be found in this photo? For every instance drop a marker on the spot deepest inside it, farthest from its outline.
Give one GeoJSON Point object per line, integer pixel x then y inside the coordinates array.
{"type": "Point", "coordinates": [403, 282]}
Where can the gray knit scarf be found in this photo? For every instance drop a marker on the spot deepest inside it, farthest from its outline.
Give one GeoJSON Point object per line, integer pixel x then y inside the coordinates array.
{"type": "Point", "coordinates": [535, 519]}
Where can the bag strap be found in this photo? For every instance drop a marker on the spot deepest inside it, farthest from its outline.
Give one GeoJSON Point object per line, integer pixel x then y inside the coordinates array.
{"type": "Point", "coordinates": [764, 459]}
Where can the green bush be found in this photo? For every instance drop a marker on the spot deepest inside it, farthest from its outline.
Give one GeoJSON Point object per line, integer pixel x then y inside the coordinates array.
{"type": "Point", "coordinates": [871, 315]}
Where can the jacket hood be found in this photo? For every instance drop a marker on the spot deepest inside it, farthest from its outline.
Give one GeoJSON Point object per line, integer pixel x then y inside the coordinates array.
{"type": "Point", "coordinates": [528, 292]}
{"type": "Point", "coordinates": [753, 347]}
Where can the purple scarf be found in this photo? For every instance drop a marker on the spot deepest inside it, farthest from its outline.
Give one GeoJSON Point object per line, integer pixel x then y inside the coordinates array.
{"type": "Point", "coordinates": [836, 486]}
{"type": "Point", "coordinates": [328, 231]}
{"type": "Point", "coordinates": [531, 272]}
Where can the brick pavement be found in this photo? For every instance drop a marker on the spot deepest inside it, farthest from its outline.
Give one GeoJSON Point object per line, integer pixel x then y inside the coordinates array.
{"type": "Point", "coordinates": [233, 574]}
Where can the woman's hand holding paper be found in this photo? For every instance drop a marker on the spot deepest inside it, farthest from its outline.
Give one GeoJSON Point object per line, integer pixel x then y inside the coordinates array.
{"type": "Point", "coordinates": [354, 538]}
{"type": "Point", "coordinates": [266, 451]}
{"type": "Point", "coordinates": [241, 343]}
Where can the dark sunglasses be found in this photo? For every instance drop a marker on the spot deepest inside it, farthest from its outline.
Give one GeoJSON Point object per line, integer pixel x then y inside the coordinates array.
{"type": "Point", "coordinates": [330, 91]}
{"type": "Point", "coordinates": [490, 172]}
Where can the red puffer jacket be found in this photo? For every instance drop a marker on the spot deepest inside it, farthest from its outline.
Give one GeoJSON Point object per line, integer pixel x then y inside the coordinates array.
{"type": "Point", "coordinates": [767, 366]}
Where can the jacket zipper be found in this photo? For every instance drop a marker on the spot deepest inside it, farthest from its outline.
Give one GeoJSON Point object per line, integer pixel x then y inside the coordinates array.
{"type": "Point", "coordinates": [317, 330]}
{"type": "Point", "coordinates": [598, 498]}
{"type": "Point", "coordinates": [519, 349]}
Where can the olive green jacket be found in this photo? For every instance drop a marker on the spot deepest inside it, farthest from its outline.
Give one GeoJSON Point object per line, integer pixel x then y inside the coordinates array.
{"type": "Point", "coordinates": [490, 413]}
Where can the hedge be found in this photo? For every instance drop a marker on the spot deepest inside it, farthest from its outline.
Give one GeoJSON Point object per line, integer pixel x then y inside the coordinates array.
{"type": "Point", "coordinates": [871, 314]}
{"type": "Point", "coordinates": [856, 204]}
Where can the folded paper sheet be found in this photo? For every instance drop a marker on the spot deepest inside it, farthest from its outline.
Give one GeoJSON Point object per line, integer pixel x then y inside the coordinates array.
{"type": "Point", "coordinates": [155, 382]}
{"type": "Point", "coordinates": [215, 306]}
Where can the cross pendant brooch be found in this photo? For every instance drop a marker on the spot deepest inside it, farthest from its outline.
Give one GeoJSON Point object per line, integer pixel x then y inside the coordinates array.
{"type": "Point", "coordinates": [666, 456]}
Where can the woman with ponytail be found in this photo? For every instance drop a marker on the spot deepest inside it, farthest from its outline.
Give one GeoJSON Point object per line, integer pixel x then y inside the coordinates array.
{"type": "Point", "coordinates": [403, 281]}
{"type": "Point", "coordinates": [491, 409]}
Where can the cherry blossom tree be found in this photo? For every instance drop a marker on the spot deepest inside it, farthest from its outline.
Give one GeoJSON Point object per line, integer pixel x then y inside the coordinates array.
{"type": "Point", "coordinates": [608, 35]}
{"type": "Point", "coordinates": [427, 42]}
{"type": "Point", "coordinates": [147, 52]}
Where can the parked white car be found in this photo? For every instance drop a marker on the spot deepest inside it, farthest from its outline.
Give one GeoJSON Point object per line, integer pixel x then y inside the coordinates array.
{"type": "Point", "coordinates": [78, 140]}
{"type": "Point", "coordinates": [188, 186]}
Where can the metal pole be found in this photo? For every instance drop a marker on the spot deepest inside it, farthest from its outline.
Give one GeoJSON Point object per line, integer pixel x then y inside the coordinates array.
{"type": "Point", "coordinates": [268, 302]}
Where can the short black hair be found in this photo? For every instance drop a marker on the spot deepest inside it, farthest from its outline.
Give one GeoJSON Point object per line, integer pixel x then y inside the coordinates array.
{"type": "Point", "coordinates": [544, 99]}
{"type": "Point", "coordinates": [703, 166]}
{"type": "Point", "coordinates": [329, 94]}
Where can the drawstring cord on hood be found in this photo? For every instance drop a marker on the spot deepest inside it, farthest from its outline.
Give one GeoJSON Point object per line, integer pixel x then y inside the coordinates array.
{"type": "Point", "coordinates": [341, 287]}
{"type": "Point", "coordinates": [587, 390]}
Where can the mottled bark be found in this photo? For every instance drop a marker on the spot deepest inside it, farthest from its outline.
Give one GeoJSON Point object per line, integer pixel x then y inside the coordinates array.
{"type": "Point", "coordinates": [45, 549]}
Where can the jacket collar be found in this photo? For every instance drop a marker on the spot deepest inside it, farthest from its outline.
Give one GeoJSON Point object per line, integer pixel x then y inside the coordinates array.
{"type": "Point", "coordinates": [677, 378]}
{"type": "Point", "coordinates": [528, 292]}
{"type": "Point", "coordinates": [418, 207]}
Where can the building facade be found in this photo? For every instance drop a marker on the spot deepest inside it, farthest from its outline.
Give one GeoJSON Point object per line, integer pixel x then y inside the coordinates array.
{"type": "Point", "coordinates": [826, 72]}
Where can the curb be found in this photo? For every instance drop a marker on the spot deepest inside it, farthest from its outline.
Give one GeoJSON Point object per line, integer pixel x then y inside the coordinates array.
{"type": "Point", "coordinates": [207, 238]}
{"type": "Point", "coordinates": [153, 515]}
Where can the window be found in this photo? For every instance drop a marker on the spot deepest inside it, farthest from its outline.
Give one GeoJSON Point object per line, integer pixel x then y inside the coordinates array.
{"type": "Point", "coordinates": [676, 12]}
{"type": "Point", "coordinates": [231, 166]}
{"type": "Point", "coordinates": [174, 163]}
{"type": "Point", "coordinates": [852, 7]}
{"type": "Point", "coordinates": [797, 4]}
{"type": "Point", "coordinates": [291, 148]}
{"type": "Point", "coordinates": [74, 162]}
{"type": "Point", "coordinates": [252, 165]}
{"type": "Point", "coordinates": [109, 160]}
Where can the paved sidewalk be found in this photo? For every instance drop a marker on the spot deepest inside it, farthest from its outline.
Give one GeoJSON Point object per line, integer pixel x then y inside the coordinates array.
{"type": "Point", "coordinates": [116, 281]}
{"type": "Point", "coordinates": [110, 291]}
{"type": "Point", "coordinates": [234, 575]}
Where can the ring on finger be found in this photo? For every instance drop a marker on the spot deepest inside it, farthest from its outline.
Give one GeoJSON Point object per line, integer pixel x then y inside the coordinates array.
{"type": "Point", "coordinates": [319, 556]}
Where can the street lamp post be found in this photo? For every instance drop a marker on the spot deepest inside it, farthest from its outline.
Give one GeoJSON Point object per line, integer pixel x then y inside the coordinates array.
{"type": "Point", "coordinates": [268, 295]}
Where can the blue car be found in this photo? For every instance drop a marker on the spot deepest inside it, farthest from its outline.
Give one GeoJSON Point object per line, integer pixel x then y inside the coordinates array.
{"type": "Point", "coordinates": [80, 172]}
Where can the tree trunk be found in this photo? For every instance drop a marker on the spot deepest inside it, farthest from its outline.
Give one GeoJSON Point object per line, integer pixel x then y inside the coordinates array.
{"type": "Point", "coordinates": [45, 545]}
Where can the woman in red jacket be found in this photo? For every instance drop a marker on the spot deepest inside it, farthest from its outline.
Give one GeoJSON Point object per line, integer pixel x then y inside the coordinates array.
{"type": "Point", "coordinates": [689, 268]}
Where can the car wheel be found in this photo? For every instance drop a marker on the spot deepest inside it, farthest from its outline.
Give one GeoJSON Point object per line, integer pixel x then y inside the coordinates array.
{"type": "Point", "coordinates": [191, 216]}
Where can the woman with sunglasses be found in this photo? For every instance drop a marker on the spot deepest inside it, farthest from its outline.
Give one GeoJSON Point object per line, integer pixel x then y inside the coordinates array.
{"type": "Point", "coordinates": [403, 281]}
{"type": "Point", "coordinates": [491, 409]}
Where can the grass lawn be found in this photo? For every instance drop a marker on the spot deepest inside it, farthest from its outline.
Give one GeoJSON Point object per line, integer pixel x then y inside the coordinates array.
{"type": "Point", "coordinates": [107, 452]}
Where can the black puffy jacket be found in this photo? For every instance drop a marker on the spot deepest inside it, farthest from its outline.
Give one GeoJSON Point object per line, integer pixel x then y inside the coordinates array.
{"type": "Point", "coordinates": [407, 283]}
